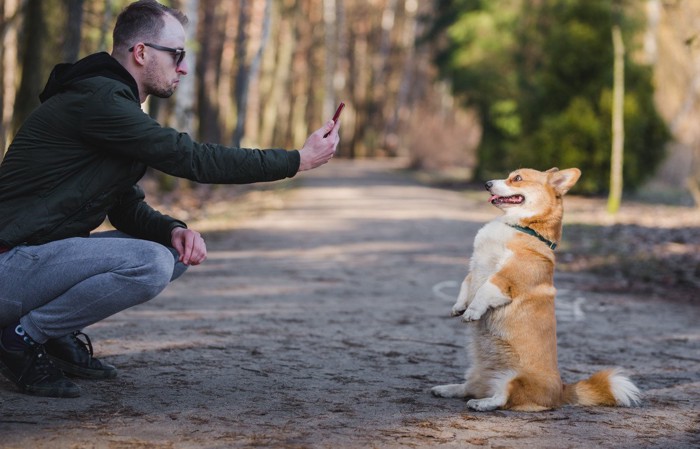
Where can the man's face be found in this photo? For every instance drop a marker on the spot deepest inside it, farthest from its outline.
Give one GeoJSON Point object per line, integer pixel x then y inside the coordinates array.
{"type": "Point", "coordinates": [162, 73]}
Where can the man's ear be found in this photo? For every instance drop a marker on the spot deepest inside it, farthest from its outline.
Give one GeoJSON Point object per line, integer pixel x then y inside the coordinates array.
{"type": "Point", "coordinates": [138, 54]}
{"type": "Point", "coordinates": [563, 180]}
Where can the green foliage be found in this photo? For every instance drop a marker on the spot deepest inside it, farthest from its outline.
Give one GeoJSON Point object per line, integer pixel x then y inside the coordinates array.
{"type": "Point", "coordinates": [540, 75]}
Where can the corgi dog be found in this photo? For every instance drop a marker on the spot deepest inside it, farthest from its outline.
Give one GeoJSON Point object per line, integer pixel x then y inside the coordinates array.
{"type": "Point", "coordinates": [508, 299]}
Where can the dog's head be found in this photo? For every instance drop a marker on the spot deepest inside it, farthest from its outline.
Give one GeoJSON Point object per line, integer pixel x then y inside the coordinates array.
{"type": "Point", "coordinates": [528, 193]}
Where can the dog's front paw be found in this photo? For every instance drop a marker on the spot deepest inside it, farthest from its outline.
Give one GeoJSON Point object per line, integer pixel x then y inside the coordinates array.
{"type": "Point", "coordinates": [472, 314]}
{"type": "Point", "coordinates": [457, 311]}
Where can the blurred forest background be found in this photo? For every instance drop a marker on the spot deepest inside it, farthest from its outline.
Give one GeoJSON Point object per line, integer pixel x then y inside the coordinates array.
{"type": "Point", "coordinates": [470, 88]}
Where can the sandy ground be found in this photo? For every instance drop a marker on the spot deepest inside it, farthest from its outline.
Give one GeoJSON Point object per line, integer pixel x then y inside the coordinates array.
{"type": "Point", "coordinates": [323, 322]}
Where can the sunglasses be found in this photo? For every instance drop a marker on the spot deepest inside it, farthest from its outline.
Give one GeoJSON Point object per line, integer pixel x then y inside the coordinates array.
{"type": "Point", "coordinates": [178, 53]}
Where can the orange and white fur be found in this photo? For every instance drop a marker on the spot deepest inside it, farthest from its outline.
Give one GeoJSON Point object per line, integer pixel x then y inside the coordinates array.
{"type": "Point", "coordinates": [508, 299]}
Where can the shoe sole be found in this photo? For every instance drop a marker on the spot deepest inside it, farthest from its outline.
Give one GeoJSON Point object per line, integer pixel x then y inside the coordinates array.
{"type": "Point", "coordinates": [52, 393]}
{"type": "Point", "coordinates": [84, 373]}
{"type": "Point", "coordinates": [48, 392]}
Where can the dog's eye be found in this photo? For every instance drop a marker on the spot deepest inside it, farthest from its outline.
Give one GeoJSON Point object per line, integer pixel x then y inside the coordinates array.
{"type": "Point", "coordinates": [517, 178]}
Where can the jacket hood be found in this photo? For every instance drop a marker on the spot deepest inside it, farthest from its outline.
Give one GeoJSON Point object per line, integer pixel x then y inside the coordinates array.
{"type": "Point", "coordinates": [98, 64]}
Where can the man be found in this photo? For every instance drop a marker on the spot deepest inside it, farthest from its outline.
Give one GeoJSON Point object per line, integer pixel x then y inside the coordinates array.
{"type": "Point", "coordinates": [76, 161]}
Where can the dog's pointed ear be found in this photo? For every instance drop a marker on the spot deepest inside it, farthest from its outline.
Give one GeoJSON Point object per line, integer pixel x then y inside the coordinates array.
{"type": "Point", "coordinates": [552, 170]}
{"type": "Point", "coordinates": [563, 180]}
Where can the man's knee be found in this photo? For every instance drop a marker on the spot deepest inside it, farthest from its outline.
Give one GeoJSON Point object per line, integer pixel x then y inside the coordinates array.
{"type": "Point", "coordinates": [152, 268]}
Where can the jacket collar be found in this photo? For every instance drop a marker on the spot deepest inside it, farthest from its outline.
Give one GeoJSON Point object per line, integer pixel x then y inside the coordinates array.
{"type": "Point", "coordinates": [98, 64]}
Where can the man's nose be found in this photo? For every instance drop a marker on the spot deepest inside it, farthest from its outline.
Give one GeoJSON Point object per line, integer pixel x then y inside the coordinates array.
{"type": "Point", "coordinates": [182, 68]}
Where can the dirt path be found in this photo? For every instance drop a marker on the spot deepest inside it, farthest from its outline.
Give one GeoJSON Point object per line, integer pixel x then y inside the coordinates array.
{"type": "Point", "coordinates": [317, 324]}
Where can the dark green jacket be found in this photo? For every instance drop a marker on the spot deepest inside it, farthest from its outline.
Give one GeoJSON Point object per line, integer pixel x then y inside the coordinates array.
{"type": "Point", "coordinates": [78, 157]}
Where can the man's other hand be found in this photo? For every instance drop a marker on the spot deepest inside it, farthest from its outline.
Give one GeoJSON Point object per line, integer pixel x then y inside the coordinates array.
{"type": "Point", "coordinates": [190, 245]}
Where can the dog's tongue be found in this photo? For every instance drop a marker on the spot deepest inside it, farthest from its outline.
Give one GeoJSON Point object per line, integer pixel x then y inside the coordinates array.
{"type": "Point", "coordinates": [493, 198]}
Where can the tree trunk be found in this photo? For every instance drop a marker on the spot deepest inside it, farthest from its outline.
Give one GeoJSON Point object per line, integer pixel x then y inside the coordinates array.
{"type": "Point", "coordinates": [8, 63]}
{"type": "Point", "coordinates": [105, 25]}
{"type": "Point", "coordinates": [74, 26]}
{"type": "Point", "coordinates": [34, 33]}
{"type": "Point", "coordinates": [276, 99]}
{"type": "Point", "coordinates": [331, 36]}
{"type": "Point", "coordinates": [302, 72]}
{"type": "Point", "coordinates": [618, 125]}
{"type": "Point", "coordinates": [207, 74]}
{"type": "Point", "coordinates": [3, 24]}
{"type": "Point", "coordinates": [359, 84]}
{"type": "Point", "coordinates": [184, 100]}
{"type": "Point", "coordinates": [247, 74]}
{"type": "Point", "coordinates": [391, 137]}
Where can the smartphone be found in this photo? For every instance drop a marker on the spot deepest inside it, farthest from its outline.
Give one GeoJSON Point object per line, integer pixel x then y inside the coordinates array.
{"type": "Point", "coordinates": [336, 116]}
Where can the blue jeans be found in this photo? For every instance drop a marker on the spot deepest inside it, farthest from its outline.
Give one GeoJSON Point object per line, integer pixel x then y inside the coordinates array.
{"type": "Point", "coordinates": [66, 285]}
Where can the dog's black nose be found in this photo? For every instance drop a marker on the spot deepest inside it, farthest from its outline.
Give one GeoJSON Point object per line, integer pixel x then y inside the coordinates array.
{"type": "Point", "coordinates": [488, 185]}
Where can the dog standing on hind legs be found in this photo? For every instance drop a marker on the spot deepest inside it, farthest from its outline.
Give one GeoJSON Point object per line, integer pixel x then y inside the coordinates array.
{"type": "Point", "coordinates": [508, 298]}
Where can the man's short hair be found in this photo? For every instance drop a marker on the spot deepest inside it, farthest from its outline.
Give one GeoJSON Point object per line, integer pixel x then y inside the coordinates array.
{"type": "Point", "coordinates": [142, 21]}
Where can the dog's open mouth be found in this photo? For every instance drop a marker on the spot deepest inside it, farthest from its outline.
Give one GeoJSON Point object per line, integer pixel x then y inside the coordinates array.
{"type": "Point", "coordinates": [515, 199]}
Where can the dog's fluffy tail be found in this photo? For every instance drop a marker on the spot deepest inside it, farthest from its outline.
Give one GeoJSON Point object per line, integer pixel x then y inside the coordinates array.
{"type": "Point", "coordinates": [609, 387]}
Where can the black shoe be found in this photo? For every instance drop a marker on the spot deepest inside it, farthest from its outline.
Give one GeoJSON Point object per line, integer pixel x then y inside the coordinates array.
{"type": "Point", "coordinates": [34, 373]}
{"type": "Point", "coordinates": [73, 356]}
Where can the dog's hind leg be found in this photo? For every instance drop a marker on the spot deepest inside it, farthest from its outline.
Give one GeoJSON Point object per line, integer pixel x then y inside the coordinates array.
{"type": "Point", "coordinates": [468, 389]}
{"type": "Point", "coordinates": [488, 404]}
{"type": "Point", "coordinates": [500, 386]}
{"type": "Point", "coordinates": [451, 391]}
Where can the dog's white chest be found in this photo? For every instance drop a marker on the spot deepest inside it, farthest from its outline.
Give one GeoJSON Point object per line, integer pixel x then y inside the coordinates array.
{"type": "Point", "coordinates": [490, 250]}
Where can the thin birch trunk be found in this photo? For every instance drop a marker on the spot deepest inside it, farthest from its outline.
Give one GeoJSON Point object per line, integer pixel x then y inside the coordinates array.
{"type": "Point", "coordinates": [618, 125]}
{"type": "Point", "coordinates": [185, 97]}
{"type": "Point", "coordinates": [246, 74]}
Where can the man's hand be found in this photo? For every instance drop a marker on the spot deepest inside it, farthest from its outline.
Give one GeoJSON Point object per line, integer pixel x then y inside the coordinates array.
{"type": "Point", "coordinates": [190, 245]}
{"type": "Point", "coordinates": [318, 150]}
